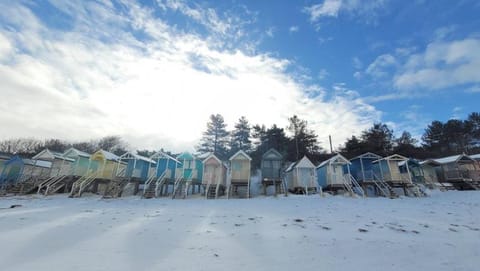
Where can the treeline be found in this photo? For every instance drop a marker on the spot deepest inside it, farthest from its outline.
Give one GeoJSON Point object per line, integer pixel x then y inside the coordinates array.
{"type": "Point", "coordinates": [294, 141]}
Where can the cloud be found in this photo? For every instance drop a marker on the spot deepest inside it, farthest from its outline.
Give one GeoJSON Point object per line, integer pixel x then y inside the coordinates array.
{"type": "Point", "coordinates": [270, 32]}
{"type": "Point", "coordinates": [322, 74]}
{"type": "Point", "coordinates": [357, 63]}
{"type": "Point", "coordinates": [366, 10]}
{"type": "Point", "coordinates": [378, 68]}
{"type": "Point", "coordinates": [441, 65]}
{"type": "Point", "coordinates": [329, 8]}
{"type": "Point", "coordinates": [293, 29]}
{"type": "Point", "coordinates": [119, 69]}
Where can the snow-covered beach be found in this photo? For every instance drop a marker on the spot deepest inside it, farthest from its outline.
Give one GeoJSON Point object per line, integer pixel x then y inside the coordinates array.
{"type": "Point", "coordinates": [440, 232]}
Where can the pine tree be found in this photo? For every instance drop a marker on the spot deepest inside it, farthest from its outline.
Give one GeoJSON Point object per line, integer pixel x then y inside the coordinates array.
{"type": "Point", "coordinates": [241, 137]}
{"type": "Point", "coordinates": [304, 141]}
{"type": "Point", "coordinates": [215, 138]}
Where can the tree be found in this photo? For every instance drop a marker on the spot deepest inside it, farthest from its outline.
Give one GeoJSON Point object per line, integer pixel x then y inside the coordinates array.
{"type": "Point", "coordinates": [378, 139]}
{"type": "Point", "coordinates": [215, 138]}
{"type": "Point", "coordinates": [113, 144]}
{"type": "Point", "coordinates": [273, 137]}
{"type": "Point", "coordinates": [21, 146]}
{"type": "Point", "coordinates": [406, 146]}
{"type": "Point", "coordinates": [354, 147]}
{"type": "Point", "coordinates": [55, 145]}
{"type": "Point", "coordinates": [240, 139]}
{"type": "Point", "coordinates": [303, 141]}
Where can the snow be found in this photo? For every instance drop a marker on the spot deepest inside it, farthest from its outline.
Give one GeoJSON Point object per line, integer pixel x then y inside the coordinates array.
{"type": "Point", "coordinates": [441, 232]}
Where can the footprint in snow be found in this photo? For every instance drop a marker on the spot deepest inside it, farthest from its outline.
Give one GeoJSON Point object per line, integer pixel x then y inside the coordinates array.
{"type": "Point", "coordinates": [362, 230]}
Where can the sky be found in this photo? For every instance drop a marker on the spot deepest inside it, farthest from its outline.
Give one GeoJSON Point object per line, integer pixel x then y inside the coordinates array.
{"type": "Point", "coordinates": [153, 71]}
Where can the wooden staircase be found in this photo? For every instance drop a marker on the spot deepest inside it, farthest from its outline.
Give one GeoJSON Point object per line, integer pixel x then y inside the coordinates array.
{"type": "Point", "coordinates": [82, 184]}
{"type": "Point", "coordinates": [213, 191]}
{"type": "Point", "coordinates": [385, 189]}
{"type": "Point", "coordinates": [56, 185]}
{"type": "Point", "coordinates": [115, 188]}
{"type": "Point", "coordinates": [352, 186]}
{"type": "Point", "coordinates": [180, 189]}
{"type": "Point", "coordinates": [151, 185]}
{"type": "Point", "coordinates": [416, 190]}
{"type": "Point", "coordinates": [26, 187]}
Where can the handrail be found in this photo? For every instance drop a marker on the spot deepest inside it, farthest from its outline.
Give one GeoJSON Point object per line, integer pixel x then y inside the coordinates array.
{"type": "Point", "coordinates": [383, 186]}
{"type": "Point", "coordinates": [149, 181]}
{"type": "Point", "coordinates": [356, 185]}
{"type": "Point", "coordinates": [54, 182]}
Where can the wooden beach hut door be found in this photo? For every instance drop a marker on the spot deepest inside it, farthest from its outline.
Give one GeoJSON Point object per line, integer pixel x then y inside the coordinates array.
{"type": "Point", "coordinates": [211, 173]}
{"type": "Point", "coordinates": [336, 173]}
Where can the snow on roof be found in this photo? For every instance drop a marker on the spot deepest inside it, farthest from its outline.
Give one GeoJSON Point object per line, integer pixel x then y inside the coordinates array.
{"type": "Point", "coordinates": [78, 152]}
{"type": "Point", "coordinates": [161, 154]}
{"type": "Point", "coordinates": [451, 159]}
{"type": "Point", "coordinates": [203, 156]}
{"type": "Point", "coordinates": [37, 163]}
{"type": "Point", "coordinates": [48, 154]}
{"type": "Point", "coordinates": [107, 155]}
{"type": "Point", "coordinates": [336, 158]}
{"type": "Point", "coordinates": [136, 157]}
{"type": "Point", "coordinates": [394, 157]}
{"type": "Point", "coordinates": [367, 155]}
{"type": "Point", "coordinates": [475, 156]}
{"type": "Point", "coordinates": [302, 163]}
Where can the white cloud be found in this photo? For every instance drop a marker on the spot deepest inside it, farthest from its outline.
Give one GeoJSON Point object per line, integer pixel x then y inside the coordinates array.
{"type": "Point", "coordinates": [155, 92]}
{"type": "Point", "coordinates": [322, 74]}
{"type": "Point", "coordinates": [442, 65]}
{"type": "Point", "coordinates": [293, 29]}
{"type": "Point", "coordinates": [357, 63]}
{"type": "Point", "coordinates": [270, 32]}
{"type": "Point", "coordinates": [378, 67]}
{"type": "Point", "coordinates": [367, 10]}
{"type": "Point", "coordinates": [329, 8]}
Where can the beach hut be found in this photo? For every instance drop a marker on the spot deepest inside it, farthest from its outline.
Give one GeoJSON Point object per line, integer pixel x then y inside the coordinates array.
{"type": "Point", "coordinates": [81, 161]}
{"type": "Point", "coordinates": [190, 173]}
{"type": "Point", "coordinates": [459, 170]}
{"type": "Point", "coordinates": [430, 170]}
{"type": "Point", "coordinates": [138, 168]}
{"type": "Point", "coordinates": [334, 175]}
{"type": "Point", "coordinates": [214, 176]}
{"type": "Point", "coordinates": [301, 177]}
{"type": "Point", "coordinates": [37, 169]}
{"type": "Point", "coordinates": [103, 168]}
{"type": "Point", "coordinates": [388, 170]}
{"type": "Point", "coordinates": [416, 171]}
{"type": "Point", "coordinates": [167, 169]}
{"type": "Point", "coordinates": [392, 177]}
{"type": "Point", "coordinates": [361, 167]}
{"type": "Point", "coordinates": [60, 165]}
{"type": "Point", "coordinates": [12, 170]}
{"type": "Point", "coordinates": [240, 168]}
{"type": "Point", "coordinates": [271, 168]}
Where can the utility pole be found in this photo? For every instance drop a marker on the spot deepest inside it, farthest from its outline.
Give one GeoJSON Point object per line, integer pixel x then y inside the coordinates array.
{"type": "Point", "coordinates": [330, 140]}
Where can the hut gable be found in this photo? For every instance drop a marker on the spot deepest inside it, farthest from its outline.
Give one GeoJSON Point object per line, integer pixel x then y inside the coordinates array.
{"type": "Point", "coordinates": [272, 154]}
{"type": "Point", "coordinates": [212, 159]}
{"type": "Point", "coordinates": [72, 152]}
{"type": "Point", "coordinates": [240, 155]}
{"type": "Point", "coordinates": [367, 155]}
{"type": "Point", "coordinates": [453, 159]}
{"type": "Point", "coordinates": [47, 154]}
{"type": "Point", "coordinates": [304, 163]}
{"type": "Point", "coordinates": [337, 159]}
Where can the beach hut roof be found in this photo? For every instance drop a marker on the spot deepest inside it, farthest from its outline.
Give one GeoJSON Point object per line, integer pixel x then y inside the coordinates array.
{"type": "Point", "coordinates": [77, 152]}
{"type": "Point", "coordinates": [13, 159]}
{"type": "Point", "coordinates": [161, 154]}
{"type": "Point", "coordinates": [238, 153]}
{"type": "Point", "coordinates": [369, 155]}
{"type": "Point", "coordinates": [203, 156]}
{"type": "Point", "coordinates": [453, 158]}
{"type": "Point", "coordinates": [37, 163]}
{"type": "Point", "coordinates": [211, 155]}
{"type": "Point", "coordinates": [475, 156]}
{"type": "Point", "coordinates": [338, 158]}
{"type": "Point", "coordinates": [134, 156]}
{"type": "Point", "coordinates": [302, 163]}
{"type": "Point", "coordinates": [4, 156]}
{"type": "Point", "coordinates": [393, 157]}
{"type": "Point", "coordinates": [51, 155]}
{"type": "Point", "coordinates": [185, 156]}
{"type": "Point", "coordinates": [107, 155]}
{"type": "Point", "coordinates": [410, 161]}
{"type": "Point", "coordinates": [272, 154]}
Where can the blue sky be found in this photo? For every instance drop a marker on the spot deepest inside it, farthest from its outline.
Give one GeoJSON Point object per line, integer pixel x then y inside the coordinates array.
{"type": "Point", "coordinates": [152, 71]}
